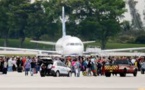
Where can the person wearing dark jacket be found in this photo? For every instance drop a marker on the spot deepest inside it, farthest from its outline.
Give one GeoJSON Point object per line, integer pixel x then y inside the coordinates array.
{"type": "Point", "coordinates": [38, 65]}
{"type": "Point", "coordinates": [1, 64]}
{"type": "Point", "coordinates": [5, 66]}
{"type": "Point", "coordinates": [33, 65]}
{"type": "Point", "coordinates": [89, 66]}
{"type": "Point", "coordinates": [19, 64]}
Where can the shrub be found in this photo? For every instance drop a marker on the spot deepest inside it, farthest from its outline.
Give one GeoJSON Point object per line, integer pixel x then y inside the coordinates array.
{"type": "Point", "coordinates": [126, 39]}
{"type": "Point", "coordinates": [140, 39]}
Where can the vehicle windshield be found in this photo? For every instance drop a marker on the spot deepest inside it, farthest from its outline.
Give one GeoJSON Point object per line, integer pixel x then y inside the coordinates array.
{"type": "Point", "coordinates": [121, 62]}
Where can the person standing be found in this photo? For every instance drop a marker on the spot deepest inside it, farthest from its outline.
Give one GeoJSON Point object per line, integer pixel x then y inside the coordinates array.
{"type": "Point", "coordinates": [93, 66]}
{"type": "Point", "coordinates": [23, 61]}
{"type": "Point", "coordinates": [1, 64]}
{"type": "Point", "coordinates": [84, 67]}
{"type": "Point", "coordinates": [27, 66]}
{"type": "Point", "coordinates": [10, 65]}
{"type": "Point", "coordinates": [19, 64]}
{"type": "Point", "coordinates": [33, 65]}
{"type": "Point", "coordinates": [143, 66]}
{"type": "Point", "coordinates": [133, 60]}
{"type": "Point", "coordinates": [49, 68]}
{"type": "Point", "coordinates": [73, 66]}
{"type": "Point", "coordinates": [89, 67]}
{"type": "Point", "coordinates": [14, 68]}
{"type": "Point", "coordinates": [38, 64]}
{"type": "Point", "coordinates": [77, 68]}
{"type": "Point", "coordinates": [68, 63]}
{"type": "Point", "coordinates": [5, 66]}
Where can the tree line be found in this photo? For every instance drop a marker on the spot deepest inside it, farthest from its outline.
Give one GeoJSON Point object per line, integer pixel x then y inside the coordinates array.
{"type": "Point", "coordinates": [87, 19]}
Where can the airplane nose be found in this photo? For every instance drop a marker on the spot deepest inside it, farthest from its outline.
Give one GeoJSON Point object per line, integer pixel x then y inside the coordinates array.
{"type": "Point", "coordinates": [74, 51]}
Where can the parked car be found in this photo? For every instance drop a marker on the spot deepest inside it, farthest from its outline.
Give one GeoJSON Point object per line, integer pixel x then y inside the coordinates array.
{"type": "Point", "coordinates": [121, 67]}
{"type": "Point", "coordinates": [56, 68]}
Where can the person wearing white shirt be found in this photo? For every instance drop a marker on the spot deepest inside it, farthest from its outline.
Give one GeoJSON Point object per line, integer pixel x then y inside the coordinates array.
{"type": "Point", "coordinates": [14, 64]}
{"type": "Point", "coordinates": [10, 65]}
{"type": "Point", "coordinates": [133, 61]}
{"type": "Point", "coordinates": [49, 68]}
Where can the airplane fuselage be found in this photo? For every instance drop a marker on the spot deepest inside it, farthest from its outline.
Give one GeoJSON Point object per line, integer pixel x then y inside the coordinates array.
{"type": "Point", "coordinates": [69, 45]}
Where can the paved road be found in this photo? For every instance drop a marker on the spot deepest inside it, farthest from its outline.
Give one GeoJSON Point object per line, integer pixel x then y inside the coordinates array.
{"type": "Point", "coordinates": [18, 81]}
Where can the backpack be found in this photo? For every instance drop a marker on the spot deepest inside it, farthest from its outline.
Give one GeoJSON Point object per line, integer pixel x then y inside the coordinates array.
{"type": "Point", "coordinates": [89, 65]}
{"type": "Point", "coordinates": [99, 65]}
{"type": "Point", "coordinates": [77, 65]}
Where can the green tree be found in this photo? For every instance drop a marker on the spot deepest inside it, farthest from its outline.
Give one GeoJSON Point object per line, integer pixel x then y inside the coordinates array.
{"type": "Point", "coordinates": [14, 14]}
{"type": "Point", "coordinates": [21, 10]}
{"type": "Point", "coordinates": [36, 21]}
{"type": "Point", "coordinates": [88, 19]}
{"type": "Point", "coordinates": [126, 26]}
{"type": "Point", "coordinates": [4, 19]}
{"type": "Point", "coordinates": [100, 17]}
{"type": "Point", "coordinates": [136, 20]}
{"type": "Point", "coordinates": [45, 21]}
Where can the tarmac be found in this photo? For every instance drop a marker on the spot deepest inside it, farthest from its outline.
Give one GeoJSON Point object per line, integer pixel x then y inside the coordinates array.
{"type": "Point", "coordinates": [18, 81]}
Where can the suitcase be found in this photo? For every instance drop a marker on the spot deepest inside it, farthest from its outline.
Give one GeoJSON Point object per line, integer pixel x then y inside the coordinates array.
{"type": "Point", "coordinates": [19, 69]}
{"type": "Point", "coordinates": [84, 73]}
{"type": "Point", "coordinates": [42, 73]}
{"type": "Point", "coordinates": [5, 71]}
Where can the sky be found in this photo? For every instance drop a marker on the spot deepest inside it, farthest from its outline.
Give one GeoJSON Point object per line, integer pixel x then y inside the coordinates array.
{"type": "Point", "coordinates": [140, 8]}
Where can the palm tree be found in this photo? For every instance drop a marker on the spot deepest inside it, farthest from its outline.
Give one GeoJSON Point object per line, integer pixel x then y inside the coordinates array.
{"type": "Point", "coordinates": [136, 20]}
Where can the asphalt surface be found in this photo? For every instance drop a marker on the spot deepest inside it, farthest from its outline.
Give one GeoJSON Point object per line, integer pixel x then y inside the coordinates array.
{"type": "Point", "coordinates": [18, 81]}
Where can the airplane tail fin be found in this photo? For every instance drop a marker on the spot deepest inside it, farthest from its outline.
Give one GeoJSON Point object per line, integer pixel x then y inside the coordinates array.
{"type": "Point", "coordinates": [63, 20]}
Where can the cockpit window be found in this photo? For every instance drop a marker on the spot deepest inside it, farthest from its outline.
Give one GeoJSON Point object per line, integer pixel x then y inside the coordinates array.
{"type": "Point", "coordinates": [72, 44]}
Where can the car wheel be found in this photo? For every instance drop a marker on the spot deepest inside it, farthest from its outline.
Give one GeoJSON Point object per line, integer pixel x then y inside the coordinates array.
{"type": "Point", "coordinates": [57, 74]}
{"type": "Point", "coordinates": [122, 74]}
{"type": "Point", "coordinates": [69, 74]}
{"type": "Point", "coordinates": [107, 74]}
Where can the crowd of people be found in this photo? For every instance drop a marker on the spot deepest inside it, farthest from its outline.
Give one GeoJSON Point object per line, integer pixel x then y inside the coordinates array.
{"type": "Point", "coordinates": [94, 65]}
{"type": "Point", "coordinates": [89, 66]}
{"type": "Point", "coordinates": [19, 64]}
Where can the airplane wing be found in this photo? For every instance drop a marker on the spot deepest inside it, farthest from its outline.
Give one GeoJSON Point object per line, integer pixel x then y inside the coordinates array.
{"type": "Point", "coordinates": [126, 54]}
{"type": "Point", "coordinates": [26, 50]}
{"type": "Point", "coordinates": [53, 43]}
{"type": "Point", "coordinates": [124, 49]}
{"type": "Point", "coordinates": [86, 42]}
{"type": "Point", "coordinates": [114, 52]}
{"type": "Point", "coordinates": [43, 42]}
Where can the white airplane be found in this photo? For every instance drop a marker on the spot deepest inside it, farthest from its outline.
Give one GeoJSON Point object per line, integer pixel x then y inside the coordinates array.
{"type": "Point", "coordinates": [68, 45]}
